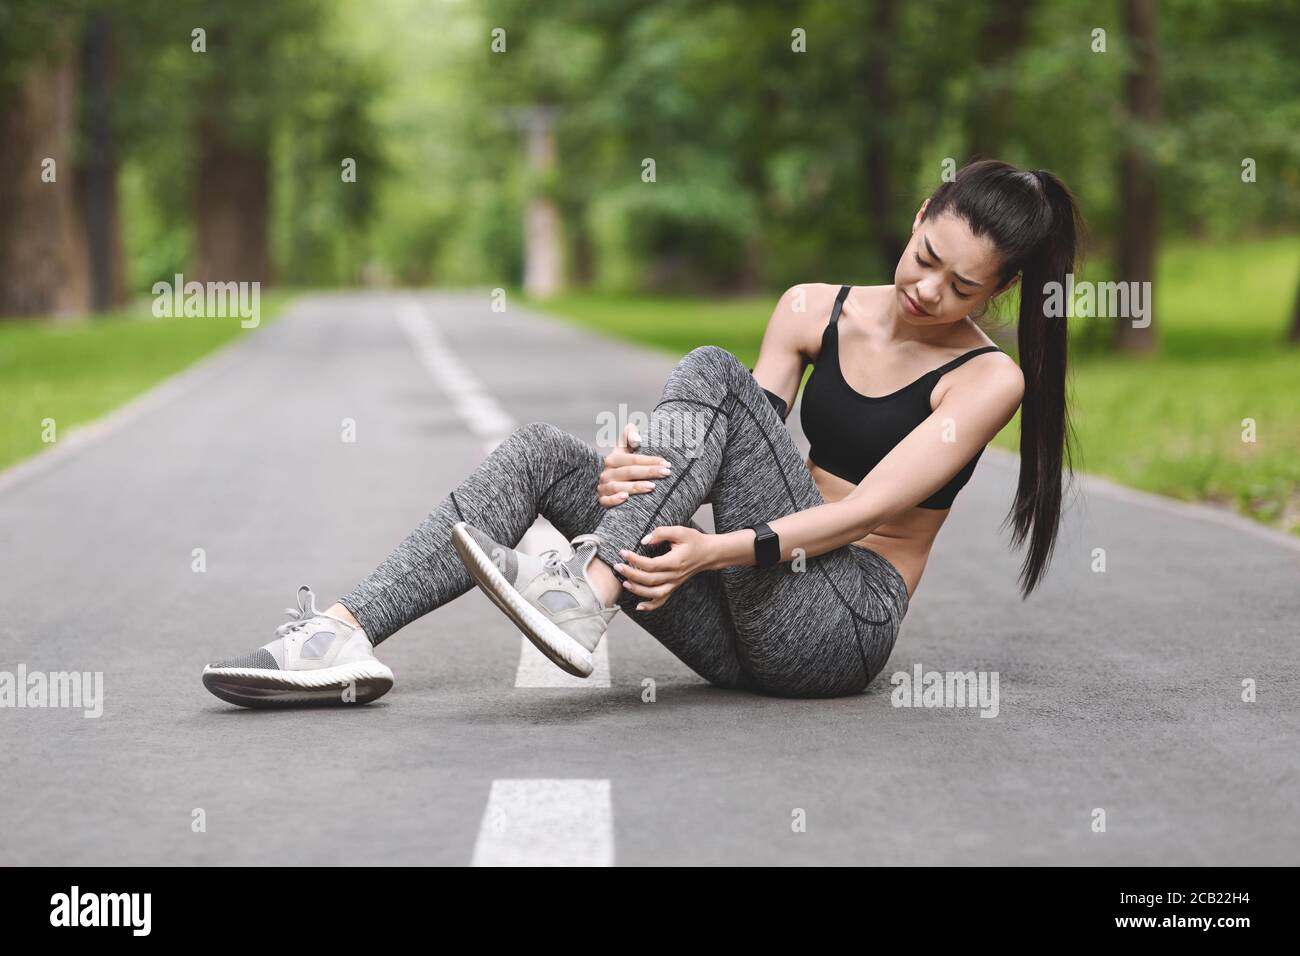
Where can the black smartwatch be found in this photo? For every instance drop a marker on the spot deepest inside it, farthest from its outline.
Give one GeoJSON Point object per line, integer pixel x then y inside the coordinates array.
{"type": "Point", "coordinates": [767, 546]}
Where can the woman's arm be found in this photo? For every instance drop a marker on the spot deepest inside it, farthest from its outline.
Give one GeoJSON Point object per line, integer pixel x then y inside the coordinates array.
{"type": "Point", "coordinates": [782, 357]}
{"type": "Point", "coordinates": [971, 412]}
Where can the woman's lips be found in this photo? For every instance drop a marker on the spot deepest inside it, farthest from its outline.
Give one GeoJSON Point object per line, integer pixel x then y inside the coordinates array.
{"type": "Point", "coordinates": [913, 307]}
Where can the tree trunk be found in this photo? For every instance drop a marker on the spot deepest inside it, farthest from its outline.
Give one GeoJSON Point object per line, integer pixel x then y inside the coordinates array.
{"type": "Point", "coordinates": [878, 184]}
{"type": "Point", "coordinates": [42, 251]}
{"type": "Point", "coordinates": [1138, 195]}
{"type": "Point", "coordinates": [232, 205]}
{"type": "Point", "coordinates": [1294, 334]}
{"type": "Point", "coordinates": [97, 174]}
{"type": "Point", "coordinates": [999, 44]}
{"type": "Point", "coordinates": [543, 225]}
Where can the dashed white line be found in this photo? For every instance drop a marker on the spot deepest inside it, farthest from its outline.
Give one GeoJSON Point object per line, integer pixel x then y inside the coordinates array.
{"type": "Point", "coordinates": [535, 668]}
{"type": "Point", "coordinates": [491, 423]}
{"type": "Point", "coordinates": [481, 412]}
{"type": "Point", "coordinates": [547, 823]}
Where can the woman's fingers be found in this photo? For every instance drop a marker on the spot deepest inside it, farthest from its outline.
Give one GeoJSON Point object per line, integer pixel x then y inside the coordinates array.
{"type": "Point", "coordinates": [630, 438]}
{"type": "Point", "coordinates": [647, 570]}
{"type": "Point", "coordinates": [636, 578]}
{"type": "Point", "coordinates": [631, 487]}
{"type": "Point", "coordinates": [612, 493]}
{"type": "Point", "coordinates": [650, 592]}
{"type": "Point", "coordinates": [626, 473]}
{"type": "Point", "coordinates": [638, 466]}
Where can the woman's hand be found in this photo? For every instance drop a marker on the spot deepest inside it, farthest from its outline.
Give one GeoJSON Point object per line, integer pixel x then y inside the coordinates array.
{"type": "Point", "coordinates": [626, 473]}
{"type": "Point", "coordinates": [655, 579]}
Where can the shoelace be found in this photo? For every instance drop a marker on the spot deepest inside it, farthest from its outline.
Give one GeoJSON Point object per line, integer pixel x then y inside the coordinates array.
{"type": "Point", "coordinates": [304, 612]}
{"type": "Point", "coordinates": [554, 564]}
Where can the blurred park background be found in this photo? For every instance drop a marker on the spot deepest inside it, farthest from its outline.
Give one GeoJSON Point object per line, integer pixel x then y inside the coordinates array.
{"type": "Point", "coordinates": [659, 171]}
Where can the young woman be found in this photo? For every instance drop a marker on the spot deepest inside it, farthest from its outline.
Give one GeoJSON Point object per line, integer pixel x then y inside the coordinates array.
{"type": "Point", "coordinates": [802, 589]}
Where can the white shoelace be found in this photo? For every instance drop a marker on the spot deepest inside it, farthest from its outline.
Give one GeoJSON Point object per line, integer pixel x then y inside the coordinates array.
{"type": "Point", "coordinates": [304, 612]}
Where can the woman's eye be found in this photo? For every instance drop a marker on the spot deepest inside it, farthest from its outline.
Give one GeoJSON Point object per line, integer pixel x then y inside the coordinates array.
{"type": "Point", "coordinates": [960, 294]}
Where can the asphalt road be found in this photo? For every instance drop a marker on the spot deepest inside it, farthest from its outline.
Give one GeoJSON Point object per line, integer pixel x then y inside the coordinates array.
{"type": "Point", "coordinates": [1119, 691]}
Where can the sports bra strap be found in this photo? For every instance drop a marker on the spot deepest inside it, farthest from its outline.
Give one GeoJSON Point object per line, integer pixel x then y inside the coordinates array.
{"type": "Point", "coordinates": [961, 359]}
{"type": "Point", "coordinates": [839, 302]}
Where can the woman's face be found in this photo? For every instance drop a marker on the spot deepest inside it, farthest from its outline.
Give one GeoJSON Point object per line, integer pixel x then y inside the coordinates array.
{"type": "Point", "coordinates": [946, 271]}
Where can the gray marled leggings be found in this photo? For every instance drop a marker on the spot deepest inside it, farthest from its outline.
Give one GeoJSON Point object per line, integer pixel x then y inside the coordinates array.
{"type": "Point", "coordinates": [823, 631]}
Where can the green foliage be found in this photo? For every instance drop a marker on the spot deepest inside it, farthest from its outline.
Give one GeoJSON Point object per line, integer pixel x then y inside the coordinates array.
{"type": "Point", "coordinates": [691, 227]}
{"type": "Point", "coordinates": [33, 32]}
{"type": "Point", "coordinates": [764, 155]}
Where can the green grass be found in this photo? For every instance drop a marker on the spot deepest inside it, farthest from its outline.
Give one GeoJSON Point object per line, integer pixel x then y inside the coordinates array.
{"type": "Point", "coordinates": [1169, 423]}
{"type": "Point", "coordinates": [75, 372]}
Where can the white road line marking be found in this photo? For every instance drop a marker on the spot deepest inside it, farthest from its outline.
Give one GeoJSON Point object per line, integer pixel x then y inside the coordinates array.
{"type": "Point", "coordinates": [535, 668]}
{"type": "Point", "coordinates": [547, 823]}
{"type": "Point", "coordinates": [486, 419]}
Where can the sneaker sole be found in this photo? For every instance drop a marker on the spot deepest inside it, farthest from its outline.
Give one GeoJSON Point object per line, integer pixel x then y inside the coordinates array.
{"type": "Point", "coordinates": [260, 687]}
{"type": "Point", "coordinates": [561, 649]}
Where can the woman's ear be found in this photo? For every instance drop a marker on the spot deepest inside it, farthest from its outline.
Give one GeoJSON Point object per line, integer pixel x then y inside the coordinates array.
{"type": "Point", "coordinates": [920, 214]}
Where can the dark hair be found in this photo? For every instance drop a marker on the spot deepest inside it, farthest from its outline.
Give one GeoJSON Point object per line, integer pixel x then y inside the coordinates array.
{"type": "Point", "coordinates": [1033, 220]}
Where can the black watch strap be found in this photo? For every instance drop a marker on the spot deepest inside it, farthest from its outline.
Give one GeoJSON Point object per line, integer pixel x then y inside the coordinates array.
{"type": "Point", "coordinates": [767, 546]}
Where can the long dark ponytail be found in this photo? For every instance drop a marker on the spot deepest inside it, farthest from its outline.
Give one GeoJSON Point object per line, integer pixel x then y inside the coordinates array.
{"type": "Point", "coordinates": [1034, 221]}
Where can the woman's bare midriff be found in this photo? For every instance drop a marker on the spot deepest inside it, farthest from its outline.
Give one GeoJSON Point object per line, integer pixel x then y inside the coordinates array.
{"type": "Point", "coordinates": [904, 542]}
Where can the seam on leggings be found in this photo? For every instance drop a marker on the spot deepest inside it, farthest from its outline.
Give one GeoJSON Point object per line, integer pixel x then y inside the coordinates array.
{"type": "Point", "coordinates": [676, 480]}
{"type": "Point", "coordinates": [542, 497]}
{"type": "Point", "coordinates": [790, 493]}
{"type": "Point", "coordinates": [854, 617]}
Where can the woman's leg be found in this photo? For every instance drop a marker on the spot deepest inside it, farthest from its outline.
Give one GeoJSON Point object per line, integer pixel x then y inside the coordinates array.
{"type": "Point", "coordinates": [538, 469]}
{"type": "Point", "coordinates": [822, 629]}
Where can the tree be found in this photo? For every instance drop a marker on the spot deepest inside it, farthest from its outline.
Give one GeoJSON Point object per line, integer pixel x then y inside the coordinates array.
{"type": "Point", "coordinates": [1139, 195]}
{"type": "Point", "coordinates": [96, 173]}
{"type": "Point", "coordinates": [42, 248]}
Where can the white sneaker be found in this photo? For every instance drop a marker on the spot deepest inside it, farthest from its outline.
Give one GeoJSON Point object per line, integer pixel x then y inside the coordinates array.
{"type": "Point", "coordinates": [317, 659]}
{"type": "Point", "coordinates": [549, 598]}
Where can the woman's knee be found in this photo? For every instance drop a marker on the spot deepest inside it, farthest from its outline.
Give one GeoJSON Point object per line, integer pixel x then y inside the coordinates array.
{"type": "Point", "coordinates": [546, 439]}
{"type": "Point", "coordinates": [712, 359]}
{"type": "Point", "coordinates": [539, 452]}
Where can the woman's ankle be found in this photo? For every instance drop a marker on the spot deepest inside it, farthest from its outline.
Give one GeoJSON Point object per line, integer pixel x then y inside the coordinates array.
{"type": "Point", "coordinates": [343, 614]}
{"type": "Point", "coordinates": [604, 582]}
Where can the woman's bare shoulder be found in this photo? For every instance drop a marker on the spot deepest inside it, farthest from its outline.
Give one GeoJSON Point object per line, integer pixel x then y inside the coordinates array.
{"type": "Point", "coordinates": [802, 313]}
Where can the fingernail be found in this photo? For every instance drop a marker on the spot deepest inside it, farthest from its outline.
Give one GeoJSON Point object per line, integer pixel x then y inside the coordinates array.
{"type": "Point", "coordinates": [640, 607]}
{"type": "Point", "coordinates": [646, 539]}
{"type": "Point", "coordinates": [665, 472]}
{"type": "Point", "coordinates": [623, 552]}
{"type": "Point", "coordinates": [650, 486]}
{"type": "Point", "coordinates": [628, 585]}
{"type": "Point", "coordinates": [620, 568]}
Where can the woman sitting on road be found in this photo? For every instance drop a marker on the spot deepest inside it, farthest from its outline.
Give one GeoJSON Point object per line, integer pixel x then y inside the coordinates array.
{"type": "Point", "coordinates": [802, 590]}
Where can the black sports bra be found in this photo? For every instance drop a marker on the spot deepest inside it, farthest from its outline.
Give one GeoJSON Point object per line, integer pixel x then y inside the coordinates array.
{"type": "Point", "coordinates": [849, 433]}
